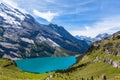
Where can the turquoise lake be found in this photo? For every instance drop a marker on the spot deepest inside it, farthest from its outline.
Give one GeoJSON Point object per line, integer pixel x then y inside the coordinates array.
{"type": "Point", "coordinates": [45, 64]}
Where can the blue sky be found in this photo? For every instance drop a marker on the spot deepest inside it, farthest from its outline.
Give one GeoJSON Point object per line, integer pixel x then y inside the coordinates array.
{"type": "Point", "coordinates": [79, 17]}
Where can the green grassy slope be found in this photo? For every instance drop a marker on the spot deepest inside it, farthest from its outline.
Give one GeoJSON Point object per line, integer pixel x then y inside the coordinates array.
{"type": "Point", "coordinates": [92, 65]}
{"type": "Point", "coordinates": [8, 71]}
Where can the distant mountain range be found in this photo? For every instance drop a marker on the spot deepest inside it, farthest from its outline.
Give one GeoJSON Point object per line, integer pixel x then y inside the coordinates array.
{"type": "Point", "coordinates": [102, 36]}
{"type": "Point", "coordinates": [21, 36]}
{"type": "Point", "coordinates": [89, 40]}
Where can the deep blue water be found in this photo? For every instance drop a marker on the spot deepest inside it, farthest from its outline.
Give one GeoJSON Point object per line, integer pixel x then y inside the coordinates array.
{"type": "Point", "coordinates": [45, 64]}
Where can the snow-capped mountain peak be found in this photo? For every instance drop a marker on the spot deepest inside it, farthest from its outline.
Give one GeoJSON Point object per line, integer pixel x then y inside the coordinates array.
{"type": "Point", "coordinates": [89, 40]}
{"type": "Point", "coordinates": [9, 15]}
{"type": "Point", "coordinates": [102, 36]}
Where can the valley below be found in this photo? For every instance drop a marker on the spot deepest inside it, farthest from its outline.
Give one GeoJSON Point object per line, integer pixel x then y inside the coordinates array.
{"type": "Point", "coordinates": [100, 62]}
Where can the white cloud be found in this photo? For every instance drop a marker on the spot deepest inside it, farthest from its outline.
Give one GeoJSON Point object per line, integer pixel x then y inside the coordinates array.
{"type": "Point", "coordinates": [10, 2]}
{"type": "Point", "coordinates": [50, 1]}
{"type": "Point", "coordinates": [13, 4]}
{"type": "Point", "coordinates": [106, 25]}
{"type": "Point", "coordinates": [87, 27]}
{"type": "Point", "coordinates": [46, 15]}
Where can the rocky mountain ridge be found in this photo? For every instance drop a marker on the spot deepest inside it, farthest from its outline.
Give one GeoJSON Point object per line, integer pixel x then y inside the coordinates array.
{"type": "Point", "coordinates": [21, 36]}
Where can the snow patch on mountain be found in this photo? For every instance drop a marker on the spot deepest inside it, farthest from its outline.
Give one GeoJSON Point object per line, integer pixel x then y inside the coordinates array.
{"type": "Point", "coordinates": [27, 40]}
{"type": "Point", "coordinates": [9, 19]}
{"type": "Point", "coordinates": [41, 38]}
{"type": "Point", "coordinates": [11, 16]}
{"type": "Point", "coordinates": [49, 41]}
{"type": "Point", "coordinates": [9, 45]}
{"type": "Point", "coordinates": [101, 36]}
{"type": "Point", "coordinates": [52, 43]}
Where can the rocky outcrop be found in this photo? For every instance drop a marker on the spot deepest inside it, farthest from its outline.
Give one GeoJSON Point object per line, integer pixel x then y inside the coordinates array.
{"type": "Point", "coordinates": [96, 59]}
{"type": "Point", "coordinates": [50, 76]}
{"type": "Point", "coordinates": [118, 50]}
{"type": "Point", "coordinates": [115, 36]}
{"type": "Point", "coordinates": [112, 48]}
{"type": "Point", "coordinates": [94, 46]}
{"type": "Point", "coordinates": [115, 64]}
